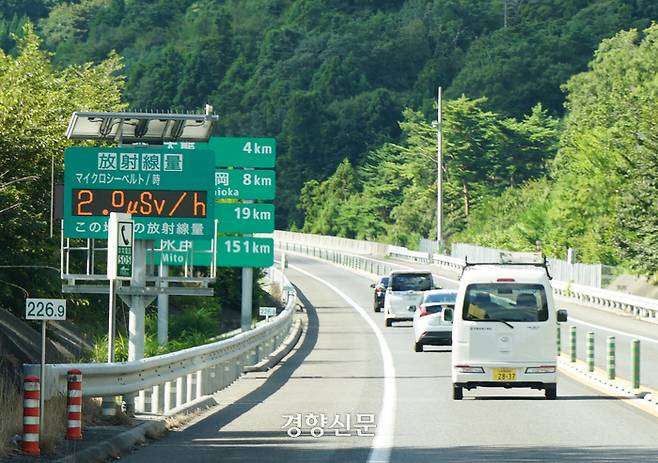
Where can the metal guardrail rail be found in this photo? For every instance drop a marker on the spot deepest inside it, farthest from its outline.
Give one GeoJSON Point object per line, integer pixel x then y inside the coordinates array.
{"type": "Point", "coordinates": [166, 382]}
{"type": "Point", "coordinates": [642, 307]}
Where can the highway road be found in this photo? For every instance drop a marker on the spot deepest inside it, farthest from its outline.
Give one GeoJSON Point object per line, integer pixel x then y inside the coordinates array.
{"type": "Point", "coordinates": [349, 364]}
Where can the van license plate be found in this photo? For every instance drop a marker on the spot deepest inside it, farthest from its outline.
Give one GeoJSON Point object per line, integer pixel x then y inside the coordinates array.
{"type": "Point", "coordinates": [504, 374]}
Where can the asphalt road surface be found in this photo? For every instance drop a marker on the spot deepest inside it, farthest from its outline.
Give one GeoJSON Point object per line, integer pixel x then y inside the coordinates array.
{"type": "Point", "coordinates": [349, 365]}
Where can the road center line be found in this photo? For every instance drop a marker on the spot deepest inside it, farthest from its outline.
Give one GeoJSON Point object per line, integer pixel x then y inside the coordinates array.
{"type": "Point", "coordinates": [380, 451]}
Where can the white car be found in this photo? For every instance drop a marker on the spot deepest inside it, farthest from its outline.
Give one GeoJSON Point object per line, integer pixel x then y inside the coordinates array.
{"type": "Point", "coordinates": [504, 323]}
{"type": "Point", "coordinates": [429, 326]}
{"type": "Point", "coordinates": [405, 289]}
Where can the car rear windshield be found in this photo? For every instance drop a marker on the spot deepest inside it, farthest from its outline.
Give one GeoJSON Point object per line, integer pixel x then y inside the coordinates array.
{"type": "Point", "coordinates": [510, 302]}
{"type": "Point", "coordinates": [411, 282]}
{"type": "Point", "coordinates": [440, 297]}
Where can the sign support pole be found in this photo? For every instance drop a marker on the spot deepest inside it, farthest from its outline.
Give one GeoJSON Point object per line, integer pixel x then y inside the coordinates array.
{"type": "Point", "coordinates": [43, 378]}
{"type": "Point", "coordinates": [112, 320]}
{"type": "Point", "coordinates": [247, 292]}
{"type": "Point", "coordinates": [136, 325]}
{"type": "Point", "coordinates": [163, 308]}
{"type": "Point", "coordinates": [44, 310]}
{"type": "Point", "coordinates": [109, 402]}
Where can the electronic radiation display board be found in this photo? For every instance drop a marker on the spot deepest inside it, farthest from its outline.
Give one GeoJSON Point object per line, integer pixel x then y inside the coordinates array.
{"type": "Point", "coordinates": [169, 193]}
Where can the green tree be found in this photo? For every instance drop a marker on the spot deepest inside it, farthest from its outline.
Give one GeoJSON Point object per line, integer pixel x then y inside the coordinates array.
{"type": "Point", "coordinates": [605, 149]}
{"type": "Point", "coordinates": [35, 106]}
{"type": "Point", "coordinates": [324, 201]}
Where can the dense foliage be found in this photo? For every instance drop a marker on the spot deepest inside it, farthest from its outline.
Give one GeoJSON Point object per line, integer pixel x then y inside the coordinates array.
{"type": "Point", "coordinates": [392, 197]}
{"type": "Point", "coordinates": [36, 103]}
{"type": "Point", "coordinates": [588, 183]}
{"type": "Point", "coordinates": [330, 78]}
{"type": "Point", "coordinates": [600, 196]}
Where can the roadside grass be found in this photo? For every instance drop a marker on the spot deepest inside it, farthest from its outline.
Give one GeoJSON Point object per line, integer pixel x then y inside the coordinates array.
{"type": "Point", "coordinates": [53, 428]}
{"type": "Point", "coordinates": [11, 423]}
{"type": "Point", "coordinates": [54, 431]}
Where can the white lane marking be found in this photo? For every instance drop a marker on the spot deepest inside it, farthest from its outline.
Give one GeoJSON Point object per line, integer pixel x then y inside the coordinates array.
{"type": "Point", "coordinates": [623, 333]}
{"type": "Point", "coordinates": [380, 452]}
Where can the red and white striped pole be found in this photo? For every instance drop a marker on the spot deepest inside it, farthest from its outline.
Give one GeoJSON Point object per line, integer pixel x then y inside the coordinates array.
{"type": "Point", "coordinates": [31, 394]}
{"type": "Point", "coordinates": [74, 405]}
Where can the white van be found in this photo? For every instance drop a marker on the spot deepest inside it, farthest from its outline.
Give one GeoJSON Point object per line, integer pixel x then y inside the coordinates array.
{"type": "Point", "coordinates": [405, 292]}
{"type": "Point", "coordinates": [504, 330]}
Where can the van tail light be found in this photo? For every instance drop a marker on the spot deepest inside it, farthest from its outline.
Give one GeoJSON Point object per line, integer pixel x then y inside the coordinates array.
{"type": "Point", "coordinates": [468, 369]}
{"type": "Point", "coordinates": [505, 280]}
{"type": "Point", "coordinates": [541, 369]}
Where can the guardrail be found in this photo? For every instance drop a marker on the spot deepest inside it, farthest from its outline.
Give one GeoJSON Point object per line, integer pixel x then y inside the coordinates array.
{"type": "Point", "coordinates": [167, 382]}
{"type": "Point", "coordinates": [416, 256]}
{"type": "Point", "coordinates": [641, 307]}
{"type": "Point", "coordinates": [353, 261]}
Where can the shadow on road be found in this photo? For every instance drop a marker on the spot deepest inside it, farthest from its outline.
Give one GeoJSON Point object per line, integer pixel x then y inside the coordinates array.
{"type": "Point", "coordinates": [278, 378]}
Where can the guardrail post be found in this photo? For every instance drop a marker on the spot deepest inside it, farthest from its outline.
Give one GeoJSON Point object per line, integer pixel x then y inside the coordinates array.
{"type": "Point", "coordinates": [167, 396]}
{"type": "Point", "coordinates": [590, 351]}
{"type": "Point", "coordinates": [572, 343]}
{"type": "Point", "coordinates": [213, 379]}
{"type": "Point", "coordinates": [612, 362]}
{"type": "Point", "coordinates": [179, 391]}
{"type": "Point", "coordinates": [140, 401]}
{"type": "Point", "coordinates": [635, 362]}
{"type": "Point", "coordinates": [226, 376]}
{"type": "Point", "coordinates": [190, 388]}
{"type": "Point", "coordinates": [31, 397]}
{"type": "Point", "coordinates": [199, 383]}
{"type": "Point", "coordinates": [156, 396]}
{"type": "Point", "coordinates": [559, 339]}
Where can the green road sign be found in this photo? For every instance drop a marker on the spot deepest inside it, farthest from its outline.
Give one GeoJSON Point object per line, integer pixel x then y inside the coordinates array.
{"type": "Point", "coordinates": [245, 184]}
{"type": "Point", "coordinates": [161, 188]}
{"type": "Point", "coordinates": [243, 151]}
{"type": "Point", "coordinates": [177, 253]}
{"type": "Point", "coordinates": [245, 251]}
{"type": "Point", "coordinates": [234, 151]}
{"type": "Point", "coordinates": [244, 218]}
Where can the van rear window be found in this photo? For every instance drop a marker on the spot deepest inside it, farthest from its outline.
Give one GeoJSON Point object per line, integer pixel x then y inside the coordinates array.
{"type": "Point", "coordinates": [510, 302]}
{"type": "Point", "coordinates": [411, 282]}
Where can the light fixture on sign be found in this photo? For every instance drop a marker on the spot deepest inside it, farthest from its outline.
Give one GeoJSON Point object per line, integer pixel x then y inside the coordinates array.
{"type": "Point", "coordinates": [150, 128]}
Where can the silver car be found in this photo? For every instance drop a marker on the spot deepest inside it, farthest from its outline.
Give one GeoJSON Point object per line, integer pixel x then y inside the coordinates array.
{"type": "Point", "coordinates": [405, 290]}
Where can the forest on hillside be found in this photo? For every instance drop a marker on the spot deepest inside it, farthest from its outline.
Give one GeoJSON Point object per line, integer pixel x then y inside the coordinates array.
{"type": "Point", "coordinates": [542, 106]}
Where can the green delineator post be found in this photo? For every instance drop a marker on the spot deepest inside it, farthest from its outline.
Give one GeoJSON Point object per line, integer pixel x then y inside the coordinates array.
{"type": "Point", "coordinates": [590, 351]}
{"type": "Point", "coordinates": [612, 362]}
{"type": "Point", "coordinates": [635, 362]}
{"type": "Point", "coordinates": [572, 343]}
